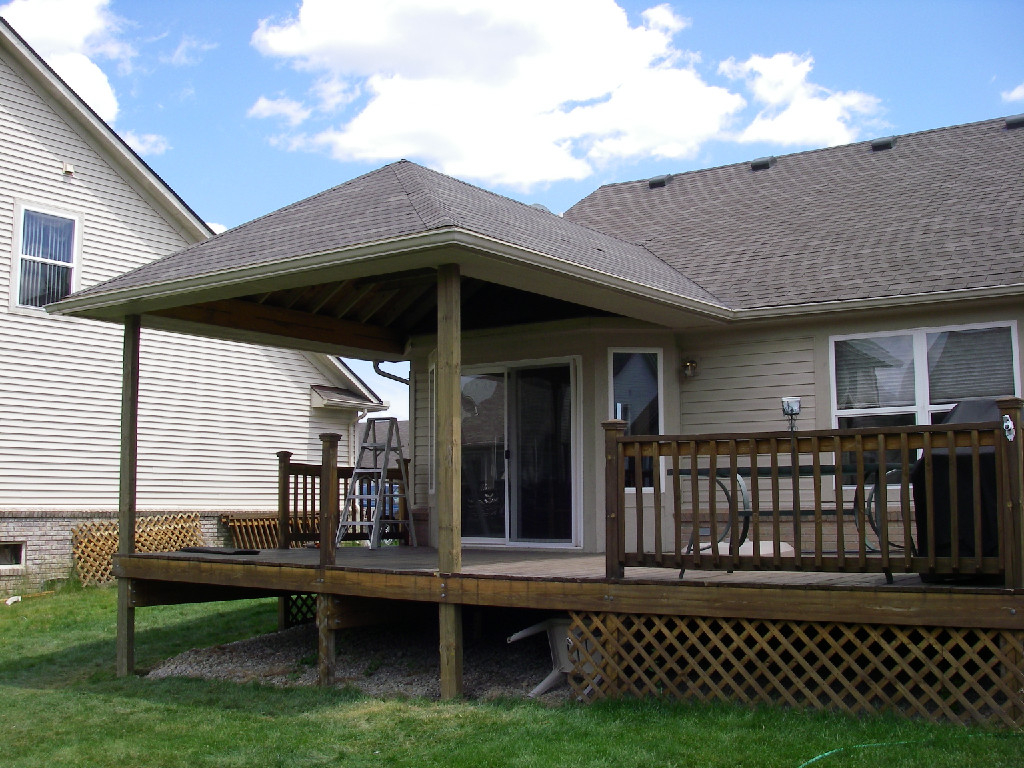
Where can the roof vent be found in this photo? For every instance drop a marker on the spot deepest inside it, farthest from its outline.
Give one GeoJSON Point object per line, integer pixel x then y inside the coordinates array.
{"type": "Point", "coordinates": [1017, 121]}
{"type": "Point", "coordinates": [886, 143]}
{"type": "Point", "coordinates": [762, 163]}
{"type": "Point", "coordinates": [658, 181]}
{"type": "Point", "coordinates": [541, 207]}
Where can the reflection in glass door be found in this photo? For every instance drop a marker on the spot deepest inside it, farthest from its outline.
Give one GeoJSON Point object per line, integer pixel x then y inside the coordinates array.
{"type": "Point", "coordinates": [517, 468]}
{"type": "Point", "coordinates": [541, 460]}
{"type": "Point", "coordinates": [483, 456]}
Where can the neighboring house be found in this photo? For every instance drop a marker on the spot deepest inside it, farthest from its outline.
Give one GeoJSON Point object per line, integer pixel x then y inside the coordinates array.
{"type": "Point", "coordinates": [77, 207]}
{"type": "Point", "coordinates": [880, 282]}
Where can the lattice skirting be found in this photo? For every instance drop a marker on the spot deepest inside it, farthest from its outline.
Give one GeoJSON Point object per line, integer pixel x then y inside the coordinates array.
{"type": "Point", "coordinates": [297, 609]}
{"type": "Point", "coordinates": [958, 675]}
{"type": "Point", "coordinates": [93, 544]}
{"type": "Point", "coordinates": [259, 531]}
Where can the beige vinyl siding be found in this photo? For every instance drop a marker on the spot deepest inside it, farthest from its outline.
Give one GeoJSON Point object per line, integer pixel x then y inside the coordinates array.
{"type": "Point", "coordinates": [420, 428]}
{"type": "Point", "coordinates": [212, 413]}
{"type": "Point", "coordinates": [741, 380]}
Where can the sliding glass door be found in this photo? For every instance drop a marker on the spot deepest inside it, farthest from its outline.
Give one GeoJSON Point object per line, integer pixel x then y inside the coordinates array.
{"type": "Point", "coordinates": [517, 463]}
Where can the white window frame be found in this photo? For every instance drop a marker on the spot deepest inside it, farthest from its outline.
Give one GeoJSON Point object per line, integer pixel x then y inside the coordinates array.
{"type": "Point", "coordinates": [660, 352]}
{"type": "Point", "coordinates": [20, 207]}
{"type": "Point", "coordinates": [922, 408]}
{"type": "Point", "coordinates": [15, 567]}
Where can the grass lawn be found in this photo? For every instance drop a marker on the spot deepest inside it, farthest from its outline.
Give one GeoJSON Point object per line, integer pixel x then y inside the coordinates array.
{"type": "Point", "coordinates": [61, 705]}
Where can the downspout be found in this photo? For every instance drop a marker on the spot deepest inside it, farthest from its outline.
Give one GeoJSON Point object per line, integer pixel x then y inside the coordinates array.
{"type": "Point", "coordinates": [380, 372]}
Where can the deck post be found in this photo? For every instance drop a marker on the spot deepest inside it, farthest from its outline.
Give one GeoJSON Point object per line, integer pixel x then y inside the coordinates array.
{"type": "Point", "coordinates": [613, 567]}
{"type": "Point", "coordinates": [325, 648]}
{"type": "Point", "coordinates": [1011, 410]}
{"type": "Point", "coordinates": [126, 507]}
{"type": "Point", "coordinates": [284, 540]}
{"type": "Point", "coordinates": [329, 501]}
{"type": "Point", "coordinates": [448, 450]}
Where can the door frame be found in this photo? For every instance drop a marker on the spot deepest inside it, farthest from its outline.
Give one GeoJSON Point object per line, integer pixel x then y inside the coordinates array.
{"type": "Point", "coordinates": [576, 437]}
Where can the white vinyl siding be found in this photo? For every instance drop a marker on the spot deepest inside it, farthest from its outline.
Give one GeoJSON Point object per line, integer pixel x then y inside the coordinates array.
{"type": "Point", "coordinates": [212, 413]}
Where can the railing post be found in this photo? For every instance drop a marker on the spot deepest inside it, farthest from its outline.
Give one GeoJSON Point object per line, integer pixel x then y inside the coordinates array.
{"type": "Point", "coordinates": [1010, 413]}
{"type": "Point", "coordinates": [613, 480]}
{"type": "Point", "coordinates": [329, 501]}
{"type": "Point", "coordinates": [284, 539]}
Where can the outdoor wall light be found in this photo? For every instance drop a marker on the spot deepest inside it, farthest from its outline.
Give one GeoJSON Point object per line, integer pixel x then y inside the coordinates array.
{"type": "Point", "coordinates": [690, 369]}
{"type": "Point", "coordinates": [791, 409]}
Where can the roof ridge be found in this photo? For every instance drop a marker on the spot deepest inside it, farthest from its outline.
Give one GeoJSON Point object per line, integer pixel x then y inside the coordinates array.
{"type": "Point", "coordinates": [418, 192]}
{"type": "Point", "coordinates": [815, 150]}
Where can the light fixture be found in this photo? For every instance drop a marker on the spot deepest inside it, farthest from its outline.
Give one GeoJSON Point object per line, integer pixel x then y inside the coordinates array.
{"type": "Point", "coordinates": [791, 409]}
{"type": "Point", "coordinates": [690, 369]}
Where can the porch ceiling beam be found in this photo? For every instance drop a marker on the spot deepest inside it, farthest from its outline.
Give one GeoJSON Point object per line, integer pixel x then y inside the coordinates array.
{"type": "Point", "coordinates": [289, 323]}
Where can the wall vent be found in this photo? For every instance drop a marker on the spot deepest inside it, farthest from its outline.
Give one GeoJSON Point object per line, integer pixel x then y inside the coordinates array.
{"type": "Point", "coordinates": [1017, 121]}
{"type": "Point", "coordinates": [658, 181]}
{"type": "Point", "coordinates": [762, 163]}
{"type": "Point", "coordinates": [885, 143]}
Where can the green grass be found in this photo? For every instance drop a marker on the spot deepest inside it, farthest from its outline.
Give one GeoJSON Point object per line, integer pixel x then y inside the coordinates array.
{"type": "Point", "coordinates": [61, 705]}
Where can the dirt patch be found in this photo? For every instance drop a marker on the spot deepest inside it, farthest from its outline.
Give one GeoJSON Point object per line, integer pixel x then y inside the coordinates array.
{"type": "Point", "coordinates": [390, 661]}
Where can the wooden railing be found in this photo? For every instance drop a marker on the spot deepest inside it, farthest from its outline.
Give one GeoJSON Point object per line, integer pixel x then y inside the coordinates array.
{"type": "Point", "coordinates": [941, 501]}
{"type": "Point", "coordinates": [301, 497]}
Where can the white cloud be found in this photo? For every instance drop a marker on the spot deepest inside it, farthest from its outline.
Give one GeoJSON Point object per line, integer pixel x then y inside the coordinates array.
{"type": "Point", "coordinates": [796, 111]}
{"type": "Point", "coordinates": [292, 111]}
{"type": "Point", "coordinates": [189, 52]}
{"type": "Point", "coordinates": [509, 93]}
{"type": "Point", "coordinates": [146, 143]}
{"type": "Point", "coordinates": [217, 228]}
{"type": "Point", "coordinates": [69, 34]}
{"type": "Point", "coordinates": [527, 93]}
{"type": "Point", "coordinates": [1017, 94]}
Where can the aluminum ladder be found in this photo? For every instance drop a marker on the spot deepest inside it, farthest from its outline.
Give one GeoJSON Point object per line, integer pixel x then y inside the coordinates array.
{"type": "Point", "coordinates": [370, 487]}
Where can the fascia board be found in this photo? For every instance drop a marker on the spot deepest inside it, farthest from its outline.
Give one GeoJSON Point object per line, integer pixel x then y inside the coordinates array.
{"type": "Point", "coordinates": [430, 249]}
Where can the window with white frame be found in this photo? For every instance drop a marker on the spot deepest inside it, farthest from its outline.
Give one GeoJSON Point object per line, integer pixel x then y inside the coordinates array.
{"type": "Point", "coordinates": [46, 257]}
{"type": "Point", "coordinates": [917, 376]}
{"type": "Point", "coordinates": [636, 399]}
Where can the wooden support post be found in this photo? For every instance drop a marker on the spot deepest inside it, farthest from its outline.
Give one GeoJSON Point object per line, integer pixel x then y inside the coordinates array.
{"type": "Point", "coordinates": [449, 471]}
{"type": "Point", "coordinates": [1011, 412]}
{"type": "Point", "coordinates": [127, 492]}
{"type": "Point", "coordinates": [284, 536]}
{"type": "Point", "coordinates": [613, 480]}
{"type": "Point", "coordinates": [329, 500]}
{"type": "Point", "coordinates": [325, 649]}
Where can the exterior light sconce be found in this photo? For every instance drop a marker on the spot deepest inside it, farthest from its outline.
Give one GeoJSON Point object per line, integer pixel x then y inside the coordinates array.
{"type": "Point", "coordinates": [791, 409]}
{"type": "Point", "coordinates": [689, 369]}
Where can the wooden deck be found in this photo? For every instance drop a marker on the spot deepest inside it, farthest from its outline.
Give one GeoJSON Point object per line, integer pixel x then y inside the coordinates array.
{"type": "Point", "coordinates": [569, 581]}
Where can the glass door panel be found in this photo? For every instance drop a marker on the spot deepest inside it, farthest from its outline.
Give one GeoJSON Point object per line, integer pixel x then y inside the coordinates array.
{"type": "Point", "coordinates": [483, 456]}
{"type": "Point", "coordinates": [541, 459]}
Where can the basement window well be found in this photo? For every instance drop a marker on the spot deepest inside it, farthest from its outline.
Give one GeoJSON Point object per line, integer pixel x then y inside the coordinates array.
{"type": "Point", "coordinates": [12, 554]}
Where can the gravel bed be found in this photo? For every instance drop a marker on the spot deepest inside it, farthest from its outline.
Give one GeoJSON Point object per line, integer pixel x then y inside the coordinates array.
{"type": "Point", "coordinates": [388, 662]}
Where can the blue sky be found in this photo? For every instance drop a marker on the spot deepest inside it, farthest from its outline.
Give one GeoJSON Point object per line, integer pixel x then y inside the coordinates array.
{"type": "Point", "coordinates": [246, 106]}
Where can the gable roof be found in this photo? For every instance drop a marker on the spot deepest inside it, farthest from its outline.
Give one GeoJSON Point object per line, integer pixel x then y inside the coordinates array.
{"type": "Point", "coordinates": [390, 208]}
{"type": "Point", "coordinates": [92, 127]}
{"type": "Point", "coordinates": [940, 211]}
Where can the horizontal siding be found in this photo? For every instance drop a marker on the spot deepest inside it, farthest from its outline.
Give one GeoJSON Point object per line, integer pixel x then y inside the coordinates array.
{"type": "Point", "coordinates": [212, 413]}
{"type": "Point", "coordinates": [421, 432]}
{"type": "Point", "coordinates": [741, 381]}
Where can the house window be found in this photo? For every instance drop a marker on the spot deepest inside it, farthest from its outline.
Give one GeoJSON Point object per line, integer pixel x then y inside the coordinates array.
{"type": "Point", "coordinates": [12, 554]}
{"type": "Point", "coordinates": [46, 257]}
{"type": "Point", "coordinates": [917, 376]}
{"type": "Point", "coordinates": [636, 399]}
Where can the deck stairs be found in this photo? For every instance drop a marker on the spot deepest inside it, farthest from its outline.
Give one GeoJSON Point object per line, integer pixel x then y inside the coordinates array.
{"type": "Point", "coordinates": [373, 500]}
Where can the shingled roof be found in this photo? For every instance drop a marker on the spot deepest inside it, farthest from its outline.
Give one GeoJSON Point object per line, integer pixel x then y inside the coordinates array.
{"type": "Point", "coordinates": [398, 201]}
{"type": "Point", "coordinates": [938, 211]}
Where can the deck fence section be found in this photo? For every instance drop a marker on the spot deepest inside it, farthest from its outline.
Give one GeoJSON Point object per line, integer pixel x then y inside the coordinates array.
{"type": "Point", "coordinates": [299, 500]}
{"type": "Point", "coordinates": [941, 501]}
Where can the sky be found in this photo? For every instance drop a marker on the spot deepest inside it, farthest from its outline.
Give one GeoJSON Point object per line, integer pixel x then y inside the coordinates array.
{"type": "Point", "coordinates": [244, 106]}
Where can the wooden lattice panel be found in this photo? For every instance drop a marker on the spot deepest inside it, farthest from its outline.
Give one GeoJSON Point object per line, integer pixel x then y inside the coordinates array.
{"type": "Point", "coordinates": [298, 609]}
{"type": "Point", "coordinates": [259, 531]}
{"type": "Point", "coordinates": [93, 544]}
{"type": "Point", "coordinates": [959, 675]}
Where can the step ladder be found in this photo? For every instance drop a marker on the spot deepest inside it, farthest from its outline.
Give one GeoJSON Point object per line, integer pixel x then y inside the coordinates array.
{"type": "Point", "coordinates": [372, 501]}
